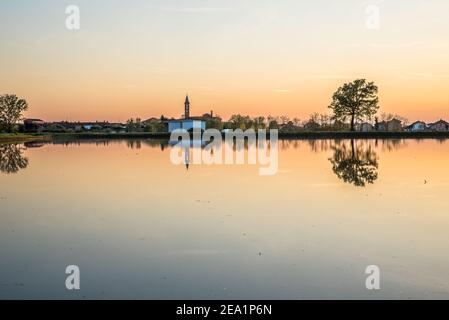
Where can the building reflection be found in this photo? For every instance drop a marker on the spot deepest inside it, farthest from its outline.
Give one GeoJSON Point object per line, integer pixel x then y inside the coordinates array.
{"type": "Point", "coordinates": [186, 147]}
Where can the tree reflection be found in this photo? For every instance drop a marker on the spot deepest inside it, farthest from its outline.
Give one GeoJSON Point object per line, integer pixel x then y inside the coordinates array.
{"type": "Point", "coordinates": [11, 159]}
{"type": "Point", "coordinates": [355, 164]}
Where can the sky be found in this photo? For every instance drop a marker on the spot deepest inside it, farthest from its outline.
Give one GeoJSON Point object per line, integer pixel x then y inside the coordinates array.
{"type": "Point", "coordinates": [258, 57]}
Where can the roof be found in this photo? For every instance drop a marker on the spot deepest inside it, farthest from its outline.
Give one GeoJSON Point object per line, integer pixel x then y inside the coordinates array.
{"type": "Point", "coordinates": [392, 120]}
{"type": "Point", "coordinates": [439, 121]}
{"type": "Point", "coordinates": [33, 120]}
{"type": "Point", "coordinates": [186, 119]}
{"type": "Point", "coordinates": [416, 122]}
{"type": "Point", "coordinates": [151, 119]}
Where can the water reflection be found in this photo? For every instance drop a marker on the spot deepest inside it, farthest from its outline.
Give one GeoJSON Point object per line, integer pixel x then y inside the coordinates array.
{"type": "Point", "coordinates": [134, 144]}
{"type": "Point", "coordinates": [186, 148]}
{"type": "Point", "coordinates": [120, 212]}
{"type": "Point", "coordinates": [355, 163]}
{"type": "Point", "coordinates": [11, 158]}
{"type": "Point", "coordinates": [317, 145]}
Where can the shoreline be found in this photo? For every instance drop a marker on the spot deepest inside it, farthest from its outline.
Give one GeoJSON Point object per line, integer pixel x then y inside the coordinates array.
{"type": "Point", "coordinates": [366, 135]}
{"type": "Point", "coordinates": [317, 135]}
{"type": "Point", "coordinates": [297, 135]}
{"type": "Point", "coordinates": [12, 138]}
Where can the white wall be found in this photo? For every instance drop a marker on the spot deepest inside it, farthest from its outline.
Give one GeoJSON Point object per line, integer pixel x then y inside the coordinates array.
{"type": "Point", "coordinates": [187, 125]}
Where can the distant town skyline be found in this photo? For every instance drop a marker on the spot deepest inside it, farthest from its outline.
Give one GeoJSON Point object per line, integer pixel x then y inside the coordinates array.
{"type": "Point", "coordinates": [250, 57]}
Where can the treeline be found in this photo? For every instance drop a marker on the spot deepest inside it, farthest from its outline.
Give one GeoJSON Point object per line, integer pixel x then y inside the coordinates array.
{"type": "Point", "coordinates": [315, 122]}
{"type": "Point", "coordinates": [284, 123]}
{"type": "Point", "coordinates": [137, 125]}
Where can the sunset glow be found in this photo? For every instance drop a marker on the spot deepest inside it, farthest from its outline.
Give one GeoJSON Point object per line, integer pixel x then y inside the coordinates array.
{"type": "Point", "coordinates": [250, 57]}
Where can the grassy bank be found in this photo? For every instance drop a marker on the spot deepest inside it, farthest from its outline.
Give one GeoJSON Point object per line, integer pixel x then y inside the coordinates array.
{"type": "Point", "coordinates": [365, 135]}
{"type": "Point", "coordinates": [164, 135]}
{"type": "Point", "coordinates": [298, 135]}
{"type": "Point", "coordinates": [20, 137]}
{"type": "Point", "coordinates": [99, 135]}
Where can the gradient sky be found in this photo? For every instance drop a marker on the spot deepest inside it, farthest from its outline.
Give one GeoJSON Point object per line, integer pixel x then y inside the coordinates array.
{"type": "Point", "coordinates": [140, 58]}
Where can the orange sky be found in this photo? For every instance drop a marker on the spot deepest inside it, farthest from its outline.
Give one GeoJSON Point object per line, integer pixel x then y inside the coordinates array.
{"type": "Point", "coordinates": [251, 57]}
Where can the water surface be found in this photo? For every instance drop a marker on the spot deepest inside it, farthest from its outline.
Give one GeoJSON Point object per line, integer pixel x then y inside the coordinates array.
{"type": "Point", "coordinates": [140, 227]}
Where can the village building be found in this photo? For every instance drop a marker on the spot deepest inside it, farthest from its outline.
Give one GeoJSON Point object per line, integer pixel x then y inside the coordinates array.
{"type": "Point", "coordinates": [394, 125]}
{"type": "Point", "coordinates": [390, 125]}
{"type": "Point", "coordinates": [416, 126]}
{"type": "Point", "coordinates": [207, 116]}
{"type": "Point", "coordinates": [33, 125]}
{"type": "Point", "coordinates": [365, 127]}
{"type": "Point", "coordinates": [440, 125]}
{"type": "Point", "coordinates": [188, 122]}
{"type": "Point", "coordinates": [149, 121]}
{"type": "Point", "coordinates": [381, 126]}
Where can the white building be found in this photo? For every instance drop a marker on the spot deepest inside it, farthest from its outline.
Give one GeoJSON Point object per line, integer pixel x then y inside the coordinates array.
{"type": "Point", "coordinates": [187, 123]}
{"type": "Point", "coordinates": [417, 126]}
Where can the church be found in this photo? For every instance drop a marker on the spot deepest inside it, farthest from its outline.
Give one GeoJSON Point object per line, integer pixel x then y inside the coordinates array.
{"type": "Point", "coordinates": [187, 123]}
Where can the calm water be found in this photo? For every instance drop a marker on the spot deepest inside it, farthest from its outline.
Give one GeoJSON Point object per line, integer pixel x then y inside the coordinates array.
{"type": "Point", "coordinates": [140, 227]}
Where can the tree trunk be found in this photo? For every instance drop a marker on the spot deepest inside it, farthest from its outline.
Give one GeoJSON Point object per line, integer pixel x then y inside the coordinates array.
{"type": "Point", "coordinates": [352, 123]}
{"type": "Point", "coordinates": [352, 149]}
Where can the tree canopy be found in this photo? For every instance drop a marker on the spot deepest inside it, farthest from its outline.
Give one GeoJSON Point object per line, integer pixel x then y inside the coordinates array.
{"type": "Point", "coordinates": [11, 110]}
{"type": "Point", "coordinates": [356, 100]}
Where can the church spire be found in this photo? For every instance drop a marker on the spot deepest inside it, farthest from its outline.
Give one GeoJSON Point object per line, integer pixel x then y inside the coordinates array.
{"type": "Point", "coordinates": [187, 107]}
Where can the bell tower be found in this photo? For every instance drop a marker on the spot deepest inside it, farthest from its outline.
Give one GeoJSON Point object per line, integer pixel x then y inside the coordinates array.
{"type": "Point", "coordinates": [187, 108]}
